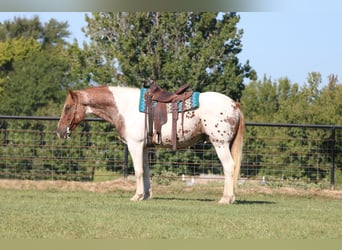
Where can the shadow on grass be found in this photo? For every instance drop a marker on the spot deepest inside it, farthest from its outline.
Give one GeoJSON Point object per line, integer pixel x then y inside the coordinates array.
{"type": "Point", "coordinates": [182, 199]}
{"type": "Point", "coordinates": [237, 202]}
{"type": "Point", "coordinates": [245, 202]}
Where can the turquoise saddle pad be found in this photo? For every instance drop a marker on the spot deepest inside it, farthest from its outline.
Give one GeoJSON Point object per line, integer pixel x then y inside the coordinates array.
{"type": "Point", "coordinates": [190, 103]}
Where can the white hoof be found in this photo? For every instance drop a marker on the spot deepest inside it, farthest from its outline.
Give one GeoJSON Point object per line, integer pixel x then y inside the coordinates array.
{"type": "Point", "coordinates": [137, 197]}
{"type": "Point", "coordinates": [227, 200]}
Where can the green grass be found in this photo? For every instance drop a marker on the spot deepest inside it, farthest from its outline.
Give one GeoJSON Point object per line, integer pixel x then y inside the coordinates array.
{"type": "Point", "coordinates": [174, 213]}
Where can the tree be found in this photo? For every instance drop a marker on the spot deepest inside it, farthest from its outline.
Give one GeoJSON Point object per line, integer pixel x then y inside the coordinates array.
{"type": "Point", "coordinates": [12, 50]}
{"type": "Point", "coordinates": [21, 27]}
{"type": "Point", "coordinates": [173, 48]}
{"type": "Point", "coordinates": [48, 34]}
{"type": "Point", "coordinates": [329, 104]}
{"type": "Point", "coordinates": [37, 63]}
{"type": "Point", "coordinates": [54, 33]}
{"type": "Point", "coordinates": [36, 81]}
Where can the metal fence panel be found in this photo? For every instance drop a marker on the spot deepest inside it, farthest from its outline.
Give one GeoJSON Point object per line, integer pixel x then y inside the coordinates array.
{"type": "Point", "coordinates": [31, 150]}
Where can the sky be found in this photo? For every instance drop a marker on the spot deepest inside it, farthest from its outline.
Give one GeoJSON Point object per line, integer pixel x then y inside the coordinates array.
{"type": "Point", "coordinates": [292, 44]}
{"type": "Point", "coordinates": [277, 44]}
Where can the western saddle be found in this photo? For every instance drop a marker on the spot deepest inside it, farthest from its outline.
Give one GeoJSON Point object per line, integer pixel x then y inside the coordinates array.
{"type": "Point", "coordinates": [156, 100]}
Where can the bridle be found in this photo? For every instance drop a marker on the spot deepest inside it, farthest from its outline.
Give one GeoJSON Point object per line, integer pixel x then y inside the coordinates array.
{"type": "Point", "coordinates": [72, 123]}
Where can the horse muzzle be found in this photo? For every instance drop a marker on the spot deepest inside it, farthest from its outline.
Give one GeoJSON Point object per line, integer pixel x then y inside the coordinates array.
{"type": "Point", "coordinates": [64, 134]}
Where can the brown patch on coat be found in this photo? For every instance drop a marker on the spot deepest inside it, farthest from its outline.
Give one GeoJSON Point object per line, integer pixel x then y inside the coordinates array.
{"type": "Point", "coordinates": [102, 103]}
{"type": "Point", "coordinates": [234, 126]}
{"type": "Point", "coordinates": [237, 105]}
{"type": "Point", "coordinates": [186, 131]}
{"type": "Point", "coordinates": [198, 129]}
{"type": "Point", "coordinates": [190, 114]}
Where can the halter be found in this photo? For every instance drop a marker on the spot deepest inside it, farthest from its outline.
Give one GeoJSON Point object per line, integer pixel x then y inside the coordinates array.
{"type": "Point", "coordinates": [68, 131]}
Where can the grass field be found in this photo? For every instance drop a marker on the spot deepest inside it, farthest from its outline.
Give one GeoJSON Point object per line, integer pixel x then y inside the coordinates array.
{"type": "Point", "coordinates": [61, 210]}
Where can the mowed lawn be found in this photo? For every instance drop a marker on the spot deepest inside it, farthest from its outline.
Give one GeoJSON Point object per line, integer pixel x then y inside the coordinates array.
{"type": "Point", "coordinates": [174, 213]}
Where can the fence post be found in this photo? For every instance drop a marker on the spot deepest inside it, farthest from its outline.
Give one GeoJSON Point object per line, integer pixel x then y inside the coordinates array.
{"type": "Point", "coordinates": [92, 173]}
{"type": "Point", "coordinates": [6, 140]}
{"type": "Point", "coordinates": [42, 141]}
{"type": "Point", "coordinates": [332, 172]}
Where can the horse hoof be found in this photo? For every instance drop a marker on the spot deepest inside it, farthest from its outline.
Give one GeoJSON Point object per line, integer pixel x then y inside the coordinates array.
{"type": "Point", "coordinates": [137, 197]}
{"type": "Point", "coordinates": [227, 200]}
{"type": "Point", "coordinates": [147, 196]}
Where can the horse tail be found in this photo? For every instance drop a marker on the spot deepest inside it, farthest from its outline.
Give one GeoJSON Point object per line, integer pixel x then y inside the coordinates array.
{"type": "Point", "coordinates": [236, 146]}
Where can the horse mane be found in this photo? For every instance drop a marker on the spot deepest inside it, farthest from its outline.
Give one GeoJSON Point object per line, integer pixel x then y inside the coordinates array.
{"type": "Point", "coordinates": [120, 86]}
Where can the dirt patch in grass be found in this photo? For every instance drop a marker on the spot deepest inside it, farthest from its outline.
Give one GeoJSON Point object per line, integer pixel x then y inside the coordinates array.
{"type": "Point", "coordinates": [129, 185]}
{"type": "Point", "coordinates": [100, 187]}
{"type": "Point", "coordinates": [337, 194]}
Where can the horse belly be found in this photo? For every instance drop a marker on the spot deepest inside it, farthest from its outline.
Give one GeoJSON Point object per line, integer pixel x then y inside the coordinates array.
{"type": "Point", "coordinates": [188, 133]}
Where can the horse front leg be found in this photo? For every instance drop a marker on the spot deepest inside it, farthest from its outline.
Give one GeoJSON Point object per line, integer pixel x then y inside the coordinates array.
{"type": "Point", "coordinates": [136, 152]}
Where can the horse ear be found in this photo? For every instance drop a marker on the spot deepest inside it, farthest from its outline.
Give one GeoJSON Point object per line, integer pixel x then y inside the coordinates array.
{"type": "Point", "coordinates": [73, 95]}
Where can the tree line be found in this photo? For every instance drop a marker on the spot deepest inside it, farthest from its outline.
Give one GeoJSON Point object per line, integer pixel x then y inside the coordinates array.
{"type": "Point", "coordinates": [38, 65]}
{"type": "Point", "coordinates": [306, 153]}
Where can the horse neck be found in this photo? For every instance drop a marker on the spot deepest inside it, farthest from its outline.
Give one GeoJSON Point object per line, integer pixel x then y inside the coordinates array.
{"type": "Point", "coordinates": [100, 102]}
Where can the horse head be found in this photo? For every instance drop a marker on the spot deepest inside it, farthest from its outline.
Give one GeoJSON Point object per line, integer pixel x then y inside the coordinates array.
{"type": "Point", "coordinates": [73, 113]}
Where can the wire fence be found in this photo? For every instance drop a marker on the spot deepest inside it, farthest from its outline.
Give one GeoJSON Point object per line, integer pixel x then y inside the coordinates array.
{"type": "Point", "coordinates": [280, 152]}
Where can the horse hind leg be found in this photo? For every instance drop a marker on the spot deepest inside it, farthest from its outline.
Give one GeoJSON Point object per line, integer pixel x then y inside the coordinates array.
{"type": "Point", "coordinates": [223, 152]}
{"type": "Point", "coordinates": [146, 176]}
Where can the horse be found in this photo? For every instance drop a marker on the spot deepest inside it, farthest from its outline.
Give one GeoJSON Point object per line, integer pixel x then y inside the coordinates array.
{"type": "Point", "coordinates": [218, 118]}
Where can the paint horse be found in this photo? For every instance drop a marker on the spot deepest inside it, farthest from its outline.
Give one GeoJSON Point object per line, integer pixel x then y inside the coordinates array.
{"type": "Point", "coordinates": [218, 118]}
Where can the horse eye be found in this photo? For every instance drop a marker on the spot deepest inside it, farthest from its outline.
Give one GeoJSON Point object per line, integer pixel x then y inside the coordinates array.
{"type": "Point", "coordinates": [67, 108]}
